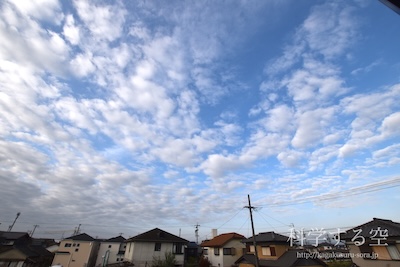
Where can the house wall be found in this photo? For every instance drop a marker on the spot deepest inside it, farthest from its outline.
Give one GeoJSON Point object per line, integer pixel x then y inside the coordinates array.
{"type": "Point", "coordinates": [61, 259]}
{"type": "Point", "coordinates": [141, 254]}
{"type": "Point", "coordinates": [80, 253]}
{"type": "Point", "coordinates": [279, 250]}
{"type": "Point", "coordinates": [113, 256]}
{"type": "Point", "coordinates": [222, 260]}
{"type": "Point", "coordinates": [372, 263]}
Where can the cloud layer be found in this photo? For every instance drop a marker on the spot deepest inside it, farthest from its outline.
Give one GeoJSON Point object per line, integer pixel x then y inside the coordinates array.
{"type": "Point", "coordinates": [129, 116]}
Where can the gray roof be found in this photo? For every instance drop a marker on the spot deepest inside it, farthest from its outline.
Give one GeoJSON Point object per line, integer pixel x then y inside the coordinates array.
{"type": "Point", "coordinates": [81, 237]}
{"type": "Point", "coordinates": [12, 235]}
{"type": "Point", "coordinates": [288, 259]}
{"type": "Point", "coordinates": [268, 237]}
{"type": "Point", "coordinates": [392, 227]}
{"type": "Point", "coordinates": [117, 239]}
{"type": "Point", "coordinates": [157, 235]}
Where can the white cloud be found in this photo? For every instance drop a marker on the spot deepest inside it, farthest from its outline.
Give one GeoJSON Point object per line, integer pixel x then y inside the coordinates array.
{"type": "Point", "coordinates": [71, 31]}
{"type": "Point", "coordinates": [290, 158]}
{"type": "Point", "coordinates": [42, 9]}
{"type": "Point", "coordinates": [103, 21]}
{"type": "Point", "coordinates": [312, 127]}
{"type": "Point", "coordinates": [82, 65]}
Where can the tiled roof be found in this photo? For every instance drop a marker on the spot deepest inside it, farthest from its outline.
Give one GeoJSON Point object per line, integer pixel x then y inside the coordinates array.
{"type": "Point", "coordinates": [12, 235]}
{"type": "Point", "coordinates": [269, 237]}
{"type": "Point", "coordinates": [221, 240]}
{"type": "Point", "coordinates": [392, 227]}
{"type": "Point", "coordinates": [81, 237]}
{"type": "Point", "coordinates": [157, 235]}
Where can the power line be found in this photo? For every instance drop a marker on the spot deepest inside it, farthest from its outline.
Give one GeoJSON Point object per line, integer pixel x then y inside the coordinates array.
{"type": "Point", "coordinates": [341, 194]}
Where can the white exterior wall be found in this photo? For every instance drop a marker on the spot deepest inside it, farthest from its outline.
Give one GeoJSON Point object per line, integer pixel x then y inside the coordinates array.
{"type": "Point", "coordinates": [142, 253]}
{"type": "Point", "coordinates": [113, 254]}
{"type": "Point", "coordinates": [226, 260]}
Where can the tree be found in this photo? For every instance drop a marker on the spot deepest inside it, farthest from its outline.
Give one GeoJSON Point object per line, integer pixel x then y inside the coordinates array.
{"type": "Point", "coordinates": [168, 261]}
{"type": "Point", "coordinates": [204, 262]}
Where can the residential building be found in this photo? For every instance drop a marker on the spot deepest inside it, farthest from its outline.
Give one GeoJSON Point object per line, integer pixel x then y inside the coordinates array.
{"type": "Point", "coordinates": [18, 249]}
{"type": "Point", "coordinates": [223, 250]}
{"type": "Point", "coordinates": [77, 251]}
{"type": "Point", "coordinates": [142, 249]}
{"type": "Point", "coordinates": [273, 250]}
{"type": "Point", "coordinates": [375, 243]}
{"type": "Point", "coordinates": [111, 251]}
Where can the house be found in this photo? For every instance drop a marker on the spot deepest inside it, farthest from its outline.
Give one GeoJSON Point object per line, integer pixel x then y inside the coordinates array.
{"type": "Point", "coordinates": [77, 251]}
{"type": "Point", "coordinates": [223, 250]}
{"type": "Point", "coordinates": [142, 249]}
{"type": "Point", "coordinates": [111, 251]}
{"type": "Point", "coordinates": [375, 243]}
{"type": "Point", "coordinates": [192, 254]}
{"type": "Point", "coordinates": [19, 249]}
{"type": "Point", "coordinates": [273, 250]}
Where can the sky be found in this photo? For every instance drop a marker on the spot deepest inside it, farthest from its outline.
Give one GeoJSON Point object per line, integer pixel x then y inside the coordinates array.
{"type": "Point", "coordinates": [123, 116]}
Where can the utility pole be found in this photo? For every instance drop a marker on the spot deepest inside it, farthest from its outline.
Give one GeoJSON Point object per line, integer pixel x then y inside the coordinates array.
{"type": "Point", "coordinates": [197, 232]}
{"type": "Point", "coordinates": [252, 228]}
{"type": "Point", "coordinates": [34, 228]}
{"type": "Point", "coordinates": [12, 225]}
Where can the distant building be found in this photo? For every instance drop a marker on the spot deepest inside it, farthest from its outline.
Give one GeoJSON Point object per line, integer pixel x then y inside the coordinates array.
{"type": "Point", "coordinates": [143, 248]}
{"type": "Point", "coordinates": [111, 251]}
{"type": "Point", "coordinates": [375, 243]}
{"type": "Point", "coordinates": [223, 250]}
{"type": "Point", "coordinates": [19, 249]}
{"type": "Point", "coordinates": [274, 250]}
{"type": "Point", "coordinates": [77, 251]}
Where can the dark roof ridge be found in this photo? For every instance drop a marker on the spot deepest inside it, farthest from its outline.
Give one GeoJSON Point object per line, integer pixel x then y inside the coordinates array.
{"type": "Point", "coordinates": [81, 237]}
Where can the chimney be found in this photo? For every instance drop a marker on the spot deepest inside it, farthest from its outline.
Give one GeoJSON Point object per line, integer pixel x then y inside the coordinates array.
{"type": "Point", "coordinates": [214, 233]}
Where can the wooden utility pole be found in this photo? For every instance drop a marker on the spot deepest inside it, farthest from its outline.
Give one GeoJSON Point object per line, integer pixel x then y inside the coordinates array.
{"type": "Point", "coordinates": [252, 229]}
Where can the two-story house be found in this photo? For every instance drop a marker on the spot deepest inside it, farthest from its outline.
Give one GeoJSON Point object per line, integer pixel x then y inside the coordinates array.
{"type": "Point", "coordinates": [77, 251]}
{"type": "Point", "coordinates": [142, 249]}
{"type": "Point", "coordinates": [224, 249]}
{"type": "Point", "coordinates": [273, 250]}
{"type": "Point", "coordinates": [375, 243]}
{"type": "Point", "coordinates": [111, 251]}
{"type": "Point", "coordinates": [19, 249]}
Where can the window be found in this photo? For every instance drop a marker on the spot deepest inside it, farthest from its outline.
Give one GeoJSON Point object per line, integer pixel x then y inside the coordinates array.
{"type": "Point", "coordinates": [229, 251]}
{"type": "Point", "coordinates": [268, 251]}
{"type": "Point", "coordinates": [252, 248]}
{"type": "Point", "coordinates": [67, 245]}
{"type": "Point", "coordinates": [157, 247]}
{"type": "Point", "coordinates": [216, 251]}
{"type": "Point", "coordinates": [393, 252]}
{"type": "Point", "coordinates": [77, 245]}
{"type": "Point", "coordinates": [109, 246]}
{"type": "Point", "coordinates": [77, 249]}
{"type": "Point", "coordinates": [177, 248]}
{"type": "Point", "coordinates": [205, 251]}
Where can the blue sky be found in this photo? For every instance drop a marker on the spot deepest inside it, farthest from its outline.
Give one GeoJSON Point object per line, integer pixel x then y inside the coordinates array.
{"type": "Point", "coordinates": [125, 116]}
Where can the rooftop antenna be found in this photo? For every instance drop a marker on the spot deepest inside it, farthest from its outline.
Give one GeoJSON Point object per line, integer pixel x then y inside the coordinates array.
{"type": "Point", "coordinates": [34, 228]}
{"type": "Point", "coordinates": [12, 225]}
